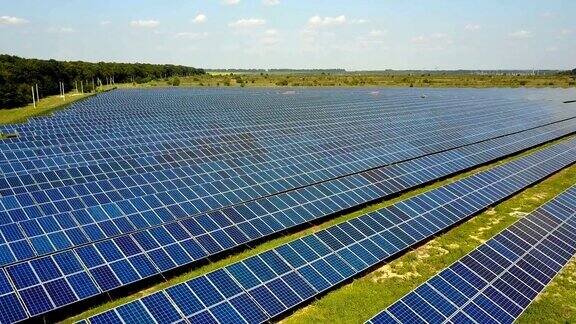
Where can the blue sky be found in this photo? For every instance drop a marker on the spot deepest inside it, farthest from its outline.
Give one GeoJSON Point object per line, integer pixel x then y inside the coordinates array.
{"type": "Point", "coordinates": [356, 35]}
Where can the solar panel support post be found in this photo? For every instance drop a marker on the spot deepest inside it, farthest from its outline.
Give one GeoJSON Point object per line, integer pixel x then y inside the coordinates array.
{"type": "Point", "coordinates": [33, 101]}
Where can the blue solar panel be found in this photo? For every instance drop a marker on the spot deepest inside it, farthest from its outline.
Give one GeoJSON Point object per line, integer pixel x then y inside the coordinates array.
{"type": "Point", "coordinates": [163, 258]}
{"type": "Point", "coordinates": [131, 184]}
{"type": "Point", "coordinates": [497, 281]}
{"type": "Point", "coordinates": [280, 279]}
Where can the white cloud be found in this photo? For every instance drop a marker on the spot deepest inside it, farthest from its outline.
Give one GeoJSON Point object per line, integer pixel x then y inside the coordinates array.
{"type": "Point", "coordinates": [552, 49]}
{"type": "Point", "coordinates": [378, 32]}
{"type": "Point", "coordinates": [60, 30]}
{"type": "Point", "coordinates": [317, 21]}
{"type": "Point", "coordinates": [247, 22]}
{"type": "Point", "coordinates": [231, 2]}
{"type": "Point", "coordinates": [270, 37]}
{"type": "Point", "coordinates": [105, 22]}
{"type": "Point", "coordinates": [199, 19]}
{"type": "Point", "coordinates": [521, 34]}
{"type": "Point", "coordinates": [472, 27]}
{"type": "Point", "coordinates": [439, 36]}
{"type": "Point", "coordinates": [9, 20]}
{"type": "Point", "coordinates": [145, 23]}
{"type": "Point", "coordinates": [358, 21]}
{"type": "Point", "coordinates": [270, 2]}
{"type": "Point", "coordinates": [374, 39]}
{"type": "Point", "coordinates": [190, 35]}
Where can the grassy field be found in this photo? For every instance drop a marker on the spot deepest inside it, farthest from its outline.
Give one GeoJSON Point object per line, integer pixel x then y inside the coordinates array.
{"type": "Point", "coordinates": [44, 106]}
{"type": "Point", "coordinates": [365, 296]}
{"type": "Point", "coordinates": [364, 80]}
{"type": "Point", "coordinates": [371, 80]}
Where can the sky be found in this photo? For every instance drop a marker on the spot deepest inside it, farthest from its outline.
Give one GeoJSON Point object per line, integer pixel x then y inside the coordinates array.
{"type": "Point", "coordinates": [353, 34]}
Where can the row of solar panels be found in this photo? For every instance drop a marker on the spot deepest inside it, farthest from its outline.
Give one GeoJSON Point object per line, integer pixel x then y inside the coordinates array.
{"type": "Point", "coordinates": [247, 154]}
{"type": "Point", "coordinates": [496, 282]}
{"type": "Point", "coordinates": [37, 198]}
{"type": "Point", "coordinates": [59, 156]}
{"type": "Point", "coordinates": [114, 112]}
{"type": "Point", "coordinates": [351, 115]}
{"type": "Point", "coordinates": [247, 120]}
{"type": "Point", "coordinates": [249, 149]}
{"type": "Point", "coordinates": [121, 106]}
{"type": "Point", "coordinates": [349, 153]}
{"type": "Point", "coordinates": [261, 287]}
{"type": "Point", "coordinates": [233, 226]}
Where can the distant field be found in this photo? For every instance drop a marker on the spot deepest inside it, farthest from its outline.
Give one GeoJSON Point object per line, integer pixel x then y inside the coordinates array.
{"type": "Point", "coordinates": [373, 80]}
{"type": "Point", "coordinates": [221, 79]}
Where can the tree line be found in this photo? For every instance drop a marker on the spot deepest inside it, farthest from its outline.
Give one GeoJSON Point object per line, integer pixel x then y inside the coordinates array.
{"type": "Point", "coordinates": [17, 75]}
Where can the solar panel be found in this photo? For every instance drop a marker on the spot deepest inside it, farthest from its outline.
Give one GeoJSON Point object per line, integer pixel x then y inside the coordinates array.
{"type": "Point", "coordinates": [279, 279]}
{"type": "Point", "coordinates": [50, 234]}
{"type": "Point", "coordinates": [497, 281]}
{"type": "Point", "coordinates": [131, 184]}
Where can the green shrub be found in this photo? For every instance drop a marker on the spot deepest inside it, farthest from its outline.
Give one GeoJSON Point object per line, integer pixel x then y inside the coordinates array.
{"type": "Point", "coordinates": [175, 81]}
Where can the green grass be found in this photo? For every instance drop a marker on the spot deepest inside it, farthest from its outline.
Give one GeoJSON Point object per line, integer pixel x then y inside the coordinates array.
{"type": "Point", "coordinates": [364, 80]}
{"type": "Point", "coordinates": [44, 107]}
{"type": "Point", "coordinates": [331, 308]}
{"type": "Point", "coordinates": [370, 80]}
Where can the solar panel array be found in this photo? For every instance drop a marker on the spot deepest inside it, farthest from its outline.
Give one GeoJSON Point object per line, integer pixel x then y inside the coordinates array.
{"type": "Point", "coordinates": [496, 282]}
{"type": "Point", "coordinates": [261, 287]}
{"type": "Point", "coordinates": [130, 184]}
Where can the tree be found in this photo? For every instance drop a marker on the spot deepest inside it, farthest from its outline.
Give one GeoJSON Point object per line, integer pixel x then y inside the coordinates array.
{"type": "Point", "coordinates": [17, 75]}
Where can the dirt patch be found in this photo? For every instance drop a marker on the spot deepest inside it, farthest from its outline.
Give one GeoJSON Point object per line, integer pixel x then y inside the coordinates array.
{"type": "Point", "coordinates": [518, 214]}
{"type": "Point", "coordinates": [387, 272]}
{"type": "Point", "coordinates": [495, 221]}
{"type": "Point", "coordinates": [481, 230]}
{"type": "Point", "coordinates": [539, 196]}
{"type": "Point", "coordinates": [453, 246]}
{"type": "Point", "coordinates": [477, 238]}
